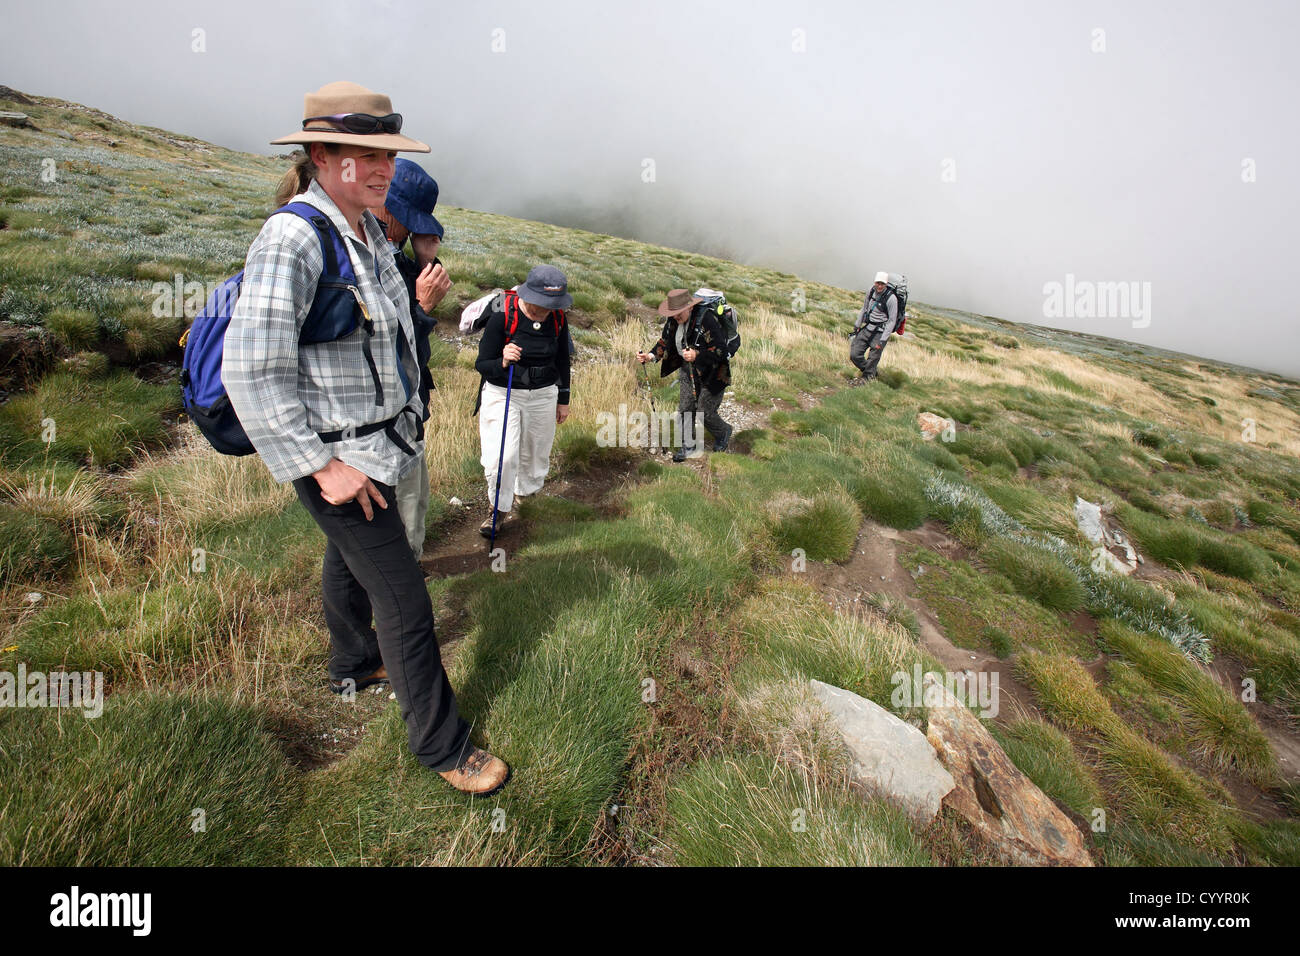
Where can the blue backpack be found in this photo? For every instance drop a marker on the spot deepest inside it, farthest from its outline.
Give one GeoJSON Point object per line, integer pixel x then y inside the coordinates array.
{"type": "Point", "coordinates": [336, 311]}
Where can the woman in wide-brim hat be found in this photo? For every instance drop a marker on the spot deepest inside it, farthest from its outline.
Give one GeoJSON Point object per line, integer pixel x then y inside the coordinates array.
{"type": "Point", "coordinates": [378, 610]}
{"type": "Point", "coordinates": [326, 117]}
{"type": "Point", "coordinates": [350, 114]}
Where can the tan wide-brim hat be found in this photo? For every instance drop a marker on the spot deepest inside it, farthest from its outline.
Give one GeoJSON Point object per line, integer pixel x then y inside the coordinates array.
{"type": "Point", "coordinates": [334, 99]}
{"type": "Point", "coordinates": [678, 301]}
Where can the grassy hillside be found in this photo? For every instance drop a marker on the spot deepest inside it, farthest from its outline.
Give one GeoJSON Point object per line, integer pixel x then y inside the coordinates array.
{"type": "Point", "coordinates": [644, 660]}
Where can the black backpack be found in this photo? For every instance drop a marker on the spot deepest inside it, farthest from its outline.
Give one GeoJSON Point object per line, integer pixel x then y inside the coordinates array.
{"type": "Point", "coordinates": [716, 303]}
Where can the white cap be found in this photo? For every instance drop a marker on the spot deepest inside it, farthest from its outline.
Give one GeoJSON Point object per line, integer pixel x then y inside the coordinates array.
{"type": "Point", "coordinates": [882, 277]}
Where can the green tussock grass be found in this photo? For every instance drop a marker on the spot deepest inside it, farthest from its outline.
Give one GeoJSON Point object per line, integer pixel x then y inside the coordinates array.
{"type": "Point", "coordinates": [100, 422]}
{"type": "Point", "coordinates": [121, 790]}
{"type": "Point", "coordinates": [1218, 725]}
{"type": "Point", "coordinates": [1158, 794]}
{"type": "Point", "coordinates": [773, 818]}
{"type": "Point", "coordinates": [1044, 754]}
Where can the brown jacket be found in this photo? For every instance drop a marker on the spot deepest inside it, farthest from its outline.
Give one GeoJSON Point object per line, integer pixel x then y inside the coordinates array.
{"type": "Point", "coordinates": [704, 334]}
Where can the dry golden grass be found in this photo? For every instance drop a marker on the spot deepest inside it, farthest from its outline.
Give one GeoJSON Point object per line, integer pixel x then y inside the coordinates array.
{"type": "Point", "coordinates": [39, 493]}
{"type": "Point", "coordinates": [774, 339]}
{"type": "Point", "coordinates": [451, 432]}
{"type": "Point", "coordinates": [199, 486]}
{"type": "Point", "coordinates": [1108, 430]}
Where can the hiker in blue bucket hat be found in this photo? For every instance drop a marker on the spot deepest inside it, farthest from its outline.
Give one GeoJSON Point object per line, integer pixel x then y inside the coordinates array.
{"type": "Point", "coordinates": [408, 213]}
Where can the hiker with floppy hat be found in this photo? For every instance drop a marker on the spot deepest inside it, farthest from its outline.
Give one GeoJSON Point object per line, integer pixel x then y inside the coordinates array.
{"type": "Point", "coordinates": [523, 358]}
{"type": "Point", "coordinates": [877, 321]}
{"type": "Point", "coordinates": [408, 213]}
{"type": "Point", "coordinates": [692, 344]}
{"type": "Point", "coordinates": [338, 414]}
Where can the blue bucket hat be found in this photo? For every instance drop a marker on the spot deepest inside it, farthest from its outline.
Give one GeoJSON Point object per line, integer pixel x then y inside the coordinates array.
{"type": "Point", "coordinates": [546, 286]}
{"type": "Point", "coordinates": [412, 195]}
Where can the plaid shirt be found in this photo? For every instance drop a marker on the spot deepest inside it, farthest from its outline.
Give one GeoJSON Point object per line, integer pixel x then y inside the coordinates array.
{"type": "Point", "coordinates": [283, 392]}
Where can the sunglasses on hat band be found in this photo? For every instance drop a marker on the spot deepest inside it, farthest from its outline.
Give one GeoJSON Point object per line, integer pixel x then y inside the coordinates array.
{"type": "Point", "coordinates": [361, 123]}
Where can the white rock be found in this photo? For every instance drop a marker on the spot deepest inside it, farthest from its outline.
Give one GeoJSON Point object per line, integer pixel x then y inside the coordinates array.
{"type": "Point", "coordinates": [888, 757]}
{"type": "Point", "coordinates": [1088, 516]}
{"type": "Point", "coordinates": [34, 597]}
{"type": "Point", "coordinates": [456, 503]}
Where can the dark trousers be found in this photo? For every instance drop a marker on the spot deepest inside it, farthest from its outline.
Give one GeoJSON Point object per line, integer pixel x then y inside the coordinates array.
{"type": "Point", "coordinates": [705, 405]}
{"type": "Point", "coordinates": [370, 569]}
{"type": "Point", "coordinates": [864, 354]}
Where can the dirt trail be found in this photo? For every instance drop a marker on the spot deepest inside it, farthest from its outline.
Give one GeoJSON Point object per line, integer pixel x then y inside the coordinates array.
{"type": "Point", "coordinates": [874, 568]}
{"type": "Point", "coordinates": [1278, 726]}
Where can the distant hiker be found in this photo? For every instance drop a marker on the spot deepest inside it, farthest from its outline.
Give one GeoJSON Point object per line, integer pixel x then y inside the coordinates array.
{"type": "Point", "coordinates": [693, 344]}
{"type": "Point", "coordinates": [408, 212]}
{"type": "Point", "coordinates": [339, 415]}
{"type": "Point", "coordinates": [525, 327]}
{"type": "Point", "coordinates": [881, 312]}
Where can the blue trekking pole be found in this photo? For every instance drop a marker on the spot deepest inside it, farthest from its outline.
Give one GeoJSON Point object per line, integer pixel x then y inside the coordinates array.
{"type": "Point", "coordinates": [510, 377]}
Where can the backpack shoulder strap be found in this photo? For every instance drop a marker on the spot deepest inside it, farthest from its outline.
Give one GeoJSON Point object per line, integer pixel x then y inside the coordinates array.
{"type": "Point", "coordinates": [510, 305]}
{"type": "Point", "coordinates": [337, 261]}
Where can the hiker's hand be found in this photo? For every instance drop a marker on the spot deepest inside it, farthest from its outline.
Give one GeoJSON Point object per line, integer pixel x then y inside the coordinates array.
{"type": "Point", "coordinates": [561, 413]}
{"type": "Point", "coordinates": [690, 355]}
{"type": "Point", "coordinates": [431, 286]}
{"type": "Point", "coordinates": [340, 483]}
{"type": "Point", "coordinates": [643, 357]}
{"type": "Point", "coordinates": [511, 353]}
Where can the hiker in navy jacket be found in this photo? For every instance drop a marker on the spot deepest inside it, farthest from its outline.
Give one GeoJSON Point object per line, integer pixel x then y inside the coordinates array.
{"type": "Point", "coordinates": [526, 327]}
{"type": "Point", "coordinates": [408, 211]}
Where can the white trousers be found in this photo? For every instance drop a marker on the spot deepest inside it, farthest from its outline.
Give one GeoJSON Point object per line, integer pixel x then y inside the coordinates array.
{"type": "Point", "coordinates": [529, 436]}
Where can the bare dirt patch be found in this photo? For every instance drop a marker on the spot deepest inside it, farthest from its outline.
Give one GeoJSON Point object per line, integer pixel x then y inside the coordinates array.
{"type": "Point", "coordinates": [874, 568]}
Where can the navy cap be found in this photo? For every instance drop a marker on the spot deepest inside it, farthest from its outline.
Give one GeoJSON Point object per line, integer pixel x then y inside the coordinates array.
{"type": "Point", "coordinates": [546, 286]}
{"type": "Point", "coordinates": [412, 195]}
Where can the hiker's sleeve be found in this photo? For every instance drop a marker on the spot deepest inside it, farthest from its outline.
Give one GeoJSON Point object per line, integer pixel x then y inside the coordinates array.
{"type": "Point", "coordinates": [891, 318]}
{"type": "Point", "coordinates": [260, 353]}
{"type": "Point", "coordinates": [492, 344]}
{"type": "Point", "coordinates": [866, 311]}
{"type": "Point", "coordinates": [563, 364]}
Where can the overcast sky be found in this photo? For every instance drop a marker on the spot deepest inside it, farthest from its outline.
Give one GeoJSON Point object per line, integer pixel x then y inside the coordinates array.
{"type": "Point", "coordinates": [985, 149]}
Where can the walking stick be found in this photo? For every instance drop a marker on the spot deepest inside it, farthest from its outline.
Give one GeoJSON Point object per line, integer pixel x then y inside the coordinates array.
{"type": "Point", "coordinates": [510, 377]}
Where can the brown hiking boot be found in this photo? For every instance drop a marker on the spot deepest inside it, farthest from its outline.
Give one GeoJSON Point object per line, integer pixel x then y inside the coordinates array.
{"type": "Point", "coordinates": [481, 774]}
{"type": "Point", "coordinates": [505, 519]}
{"type": "Point", "coordinates": [361, 683]}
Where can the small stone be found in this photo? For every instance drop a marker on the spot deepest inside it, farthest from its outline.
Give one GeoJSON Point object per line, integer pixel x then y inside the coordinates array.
{"type": "Point", "coordinates": [456, 503]}
{"type": "Point", "coordinates": [34, 597]}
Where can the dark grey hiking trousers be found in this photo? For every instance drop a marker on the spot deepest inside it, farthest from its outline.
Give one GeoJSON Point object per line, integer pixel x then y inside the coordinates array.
{"type": "Point", "coordinates": [863, 354]}
{"type": "Point", "coordinates": [706, 407]}
{"type": "Point", "coordinates": [369, 569]}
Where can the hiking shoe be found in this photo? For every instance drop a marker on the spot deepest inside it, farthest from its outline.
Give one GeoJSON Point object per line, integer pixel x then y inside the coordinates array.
{"type": "Point", "coordinates": [378, 677]}
{"type": "Point", "coordinates": [504, 520]}
{"type": "Point", "coordinates": [721, 443]}
{"type": "Point", "coordinates": [679, 455]}
{"type": "Point", "coordinates": [481, 775]}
